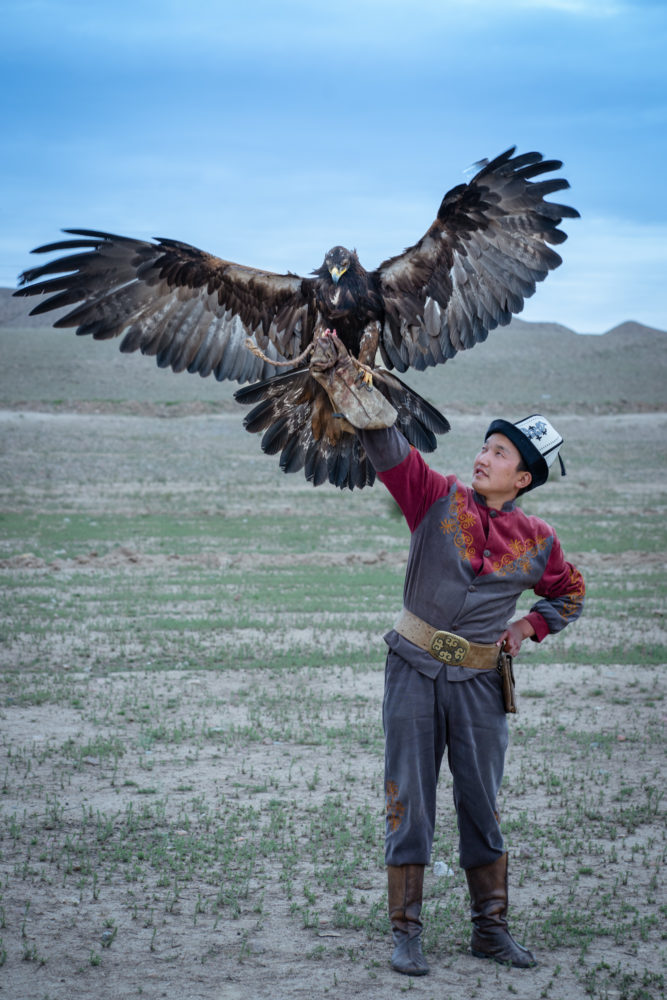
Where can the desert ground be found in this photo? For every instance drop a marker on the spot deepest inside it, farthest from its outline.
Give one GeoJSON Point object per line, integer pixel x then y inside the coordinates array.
{"type": "Point", "coordinates": [191, 672]}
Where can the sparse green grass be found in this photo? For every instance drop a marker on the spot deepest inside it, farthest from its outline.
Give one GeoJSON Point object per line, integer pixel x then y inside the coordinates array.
{"type": "Point", "coordinates": [190, 722]}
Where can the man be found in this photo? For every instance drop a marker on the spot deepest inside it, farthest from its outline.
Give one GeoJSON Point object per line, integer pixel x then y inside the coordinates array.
{"type": "Point", "coordinates": [473, 552]}
{"type": "Point", "coordinates": [448, 682]}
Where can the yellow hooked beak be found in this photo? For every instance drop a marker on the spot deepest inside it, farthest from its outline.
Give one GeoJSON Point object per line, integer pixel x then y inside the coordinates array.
{"type": "Point", "coordinates": [337, 273]}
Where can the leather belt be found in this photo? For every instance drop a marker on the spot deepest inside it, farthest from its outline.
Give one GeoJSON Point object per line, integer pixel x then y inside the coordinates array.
{"type": "Point", "coordinates": [447, 647]}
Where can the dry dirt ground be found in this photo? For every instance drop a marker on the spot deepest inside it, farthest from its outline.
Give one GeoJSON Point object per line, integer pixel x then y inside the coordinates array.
{"type": "Point", "coordinates": [238, 792]}
{"type": "Point", "coordinates": [162, 948]}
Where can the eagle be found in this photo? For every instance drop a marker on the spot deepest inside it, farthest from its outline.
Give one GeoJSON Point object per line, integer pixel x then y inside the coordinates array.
{"type": "Point", "coordinates": [489, 245]}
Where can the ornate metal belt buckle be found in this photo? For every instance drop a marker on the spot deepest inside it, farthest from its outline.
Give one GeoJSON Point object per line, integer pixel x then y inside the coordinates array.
{"type": "Point", "coordinates": [449, 648]}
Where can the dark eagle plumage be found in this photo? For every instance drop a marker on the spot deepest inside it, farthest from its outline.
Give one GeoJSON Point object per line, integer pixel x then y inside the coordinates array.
{"type": "Point", "coordinates": [489, 245]}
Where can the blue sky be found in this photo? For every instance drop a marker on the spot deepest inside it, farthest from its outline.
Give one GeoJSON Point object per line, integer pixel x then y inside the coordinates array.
{"type": "Point", "coordinates": [267, 132]}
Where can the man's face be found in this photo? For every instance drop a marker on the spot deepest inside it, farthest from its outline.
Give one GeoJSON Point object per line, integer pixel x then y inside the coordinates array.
{"type": "Point", "coordinates": [496, 474]}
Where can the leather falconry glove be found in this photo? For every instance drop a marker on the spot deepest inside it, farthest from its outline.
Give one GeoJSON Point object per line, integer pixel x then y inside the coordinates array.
{"type": "Point", "coordinates": [349, 385]}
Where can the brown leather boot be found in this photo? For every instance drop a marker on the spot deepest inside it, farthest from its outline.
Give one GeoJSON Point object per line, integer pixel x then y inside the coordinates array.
{"type": "Point", "coordinates": [405, 888]}
{"type": "Point", "coordinates": [488, 911]}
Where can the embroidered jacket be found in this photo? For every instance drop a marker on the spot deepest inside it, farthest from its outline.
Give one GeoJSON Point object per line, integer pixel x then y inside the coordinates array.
{"type": "Point", "coordinates": [468, 564]}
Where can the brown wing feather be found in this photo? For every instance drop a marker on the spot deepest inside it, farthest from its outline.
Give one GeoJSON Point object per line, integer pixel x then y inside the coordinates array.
{"type": "Point", "coordinates": [476, 264]}
{"type": "Point", "coordinates": [188, 308]}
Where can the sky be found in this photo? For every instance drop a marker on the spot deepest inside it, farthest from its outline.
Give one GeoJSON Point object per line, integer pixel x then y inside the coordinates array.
{"type": "Point", "coordinates": [268, 132]}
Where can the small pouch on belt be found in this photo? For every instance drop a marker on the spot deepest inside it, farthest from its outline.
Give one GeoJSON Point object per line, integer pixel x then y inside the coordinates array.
{"type": "Point", "coordinates": [507, 677]}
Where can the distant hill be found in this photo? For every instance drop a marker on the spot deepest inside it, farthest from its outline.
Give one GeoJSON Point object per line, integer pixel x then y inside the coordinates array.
{"type": "Point", "coordinates": [546, 365]}
{"type": "Point", "coordinates": [15, 312]}
{"type": "Point", "coordinates": [630, 329]}
{"type": "Point", "coordinates": [522, 367]}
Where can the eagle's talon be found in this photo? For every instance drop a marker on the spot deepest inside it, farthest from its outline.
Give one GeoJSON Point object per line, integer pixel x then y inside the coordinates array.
{"type": "Point", "coordinates": [364, 375]}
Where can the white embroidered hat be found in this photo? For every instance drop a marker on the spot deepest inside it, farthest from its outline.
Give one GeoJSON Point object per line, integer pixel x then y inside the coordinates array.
{"type": "Point", "coordinates": [538, 443]}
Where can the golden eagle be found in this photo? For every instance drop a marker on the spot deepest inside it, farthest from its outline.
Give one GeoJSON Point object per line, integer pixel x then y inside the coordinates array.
{"type": "Point", "coordinates": [470, 272]}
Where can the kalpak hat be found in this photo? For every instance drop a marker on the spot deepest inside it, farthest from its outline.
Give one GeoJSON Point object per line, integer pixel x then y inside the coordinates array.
{"type": "Point", "coordinates": [538, 443]}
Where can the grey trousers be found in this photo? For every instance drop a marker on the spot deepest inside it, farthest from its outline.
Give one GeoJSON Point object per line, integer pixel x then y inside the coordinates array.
{"type": "Point", "coordinates": [421, 718]}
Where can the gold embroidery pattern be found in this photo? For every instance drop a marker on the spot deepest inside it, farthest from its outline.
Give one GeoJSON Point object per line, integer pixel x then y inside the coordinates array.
{"type": "Point", "coordinates": [458, 525]}
{"type": "Point", "coordinates": [395, 808]}
{"type": "Point", "coordinates": [520, 555]}
{"type": "Point", "coordinates": [572, 606]}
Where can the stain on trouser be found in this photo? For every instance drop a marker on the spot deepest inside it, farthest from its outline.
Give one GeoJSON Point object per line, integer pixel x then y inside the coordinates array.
{"type": "Point", "coordinates": [422, 717]}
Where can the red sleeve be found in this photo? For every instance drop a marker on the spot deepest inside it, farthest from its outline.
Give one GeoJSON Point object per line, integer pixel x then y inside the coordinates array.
{"type": "Point", "coordinates": [562, 590]}
{"type": "Point", "coordinates": [415, 487]}
{"type": "Point", "coordinates": [539, 624]}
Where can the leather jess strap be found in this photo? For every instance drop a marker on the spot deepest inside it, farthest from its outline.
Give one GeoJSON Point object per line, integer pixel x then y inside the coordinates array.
{"type": "Point", "coordinates": [447, 647]}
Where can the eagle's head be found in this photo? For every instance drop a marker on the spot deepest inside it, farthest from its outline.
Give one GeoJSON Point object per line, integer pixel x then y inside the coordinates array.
{"type": "Point", "coordinates": [337, 262]}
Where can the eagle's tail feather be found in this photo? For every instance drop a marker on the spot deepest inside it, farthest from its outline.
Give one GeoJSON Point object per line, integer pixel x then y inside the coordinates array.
{"type": "Point", "coordinates": [293, 415]}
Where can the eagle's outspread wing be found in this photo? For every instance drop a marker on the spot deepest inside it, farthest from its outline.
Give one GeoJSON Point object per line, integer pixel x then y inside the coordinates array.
{"type": "Point", "coordinates": [190, 309]}
{"type": "Point", "coordinates": [476, 264]}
